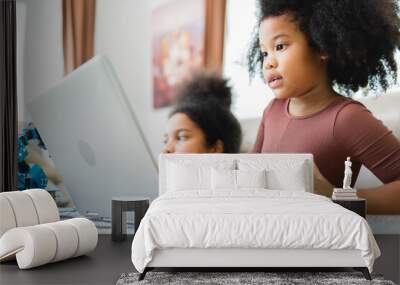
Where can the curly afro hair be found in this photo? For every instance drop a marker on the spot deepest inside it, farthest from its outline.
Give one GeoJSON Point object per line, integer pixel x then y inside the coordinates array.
{"type": "Point", "coordinates": [359, 37]}
{"type": "Point", "coordinates": [206, 99]}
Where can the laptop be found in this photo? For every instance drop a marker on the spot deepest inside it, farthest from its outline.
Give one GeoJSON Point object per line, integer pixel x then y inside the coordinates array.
{"type": "Point", "coordinates": [94, 138]}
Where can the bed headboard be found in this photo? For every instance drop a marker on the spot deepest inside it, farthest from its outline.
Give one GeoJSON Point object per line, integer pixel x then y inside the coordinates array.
{"type": "Point", "coordinates": [282, 165]}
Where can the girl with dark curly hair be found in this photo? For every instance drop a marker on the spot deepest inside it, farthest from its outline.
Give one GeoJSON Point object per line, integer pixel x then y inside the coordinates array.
{"type": "Point", "coordinates": [303, 50]}
{"type": "Point", "coordinates": [201, 121]}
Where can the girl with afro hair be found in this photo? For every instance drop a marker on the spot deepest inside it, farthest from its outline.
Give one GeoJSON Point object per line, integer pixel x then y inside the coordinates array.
{"type": "Point", "coordinates": [201, 121]}
{"type": "Point", "coordinates": [305, 48]}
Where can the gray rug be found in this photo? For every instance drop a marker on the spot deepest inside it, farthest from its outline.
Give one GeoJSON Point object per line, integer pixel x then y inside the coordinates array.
{"type": "Point", "coordinates": [229, 278]}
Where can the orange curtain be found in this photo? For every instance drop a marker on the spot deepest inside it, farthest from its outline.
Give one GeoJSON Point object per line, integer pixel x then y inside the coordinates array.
{"type": "Point", "coordinates": [214, 35]}
{"type": "Point", "coordinates": [78, 32]}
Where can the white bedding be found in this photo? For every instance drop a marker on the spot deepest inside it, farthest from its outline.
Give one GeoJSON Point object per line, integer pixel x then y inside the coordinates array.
{"type": "Point", "coordinates": [250, 218]}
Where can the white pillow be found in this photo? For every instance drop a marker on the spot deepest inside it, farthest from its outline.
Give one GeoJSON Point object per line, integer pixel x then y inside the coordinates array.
{"type": "Point", "coordinates": [183, 177]}
{"type": "Point", "coordinates": [194, 173]}
{"type": "Point", "coordinates": [281, 174]}
{"type": "Point", "coordinates": [237, 179]}
{"type": "Point", "coordinates": [251, 178]}
{"type": "Point", "coordinates": [294, 179]}
{"type": "Point", "coordinates": [223, 179]}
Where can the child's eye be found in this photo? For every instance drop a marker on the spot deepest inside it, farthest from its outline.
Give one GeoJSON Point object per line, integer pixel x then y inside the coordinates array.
{"type": "Point", "coordinates": [264, 54]}
{"type": "Point", "coordinates": [280, 46]}
{"type": "Point", "coordinates": [182, 138]}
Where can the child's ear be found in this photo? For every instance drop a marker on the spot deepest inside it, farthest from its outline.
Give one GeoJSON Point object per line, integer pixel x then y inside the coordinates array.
{"type": "Point", "coordinates": [219, 147]}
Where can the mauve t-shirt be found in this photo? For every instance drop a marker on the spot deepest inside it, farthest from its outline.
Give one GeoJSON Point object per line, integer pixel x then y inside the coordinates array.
{"type": "Point", "coordinates": [342, 129]}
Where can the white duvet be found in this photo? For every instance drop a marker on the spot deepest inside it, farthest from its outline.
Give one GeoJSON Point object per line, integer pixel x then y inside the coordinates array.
{"type": "Point", "coordinates": [250, 219]}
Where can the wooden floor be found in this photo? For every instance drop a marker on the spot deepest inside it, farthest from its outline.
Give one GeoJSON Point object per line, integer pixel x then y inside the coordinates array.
{"type": "Point", "coordinates": [103, 266]}
{"type": "Point", "coordinates": [111, 259]}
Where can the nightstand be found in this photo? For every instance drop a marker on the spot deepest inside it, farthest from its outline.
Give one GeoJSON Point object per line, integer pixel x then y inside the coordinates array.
{"type": "Point", "coordinates": [121, 205]}
{"type": "Point", "coordinates": [358, 206]}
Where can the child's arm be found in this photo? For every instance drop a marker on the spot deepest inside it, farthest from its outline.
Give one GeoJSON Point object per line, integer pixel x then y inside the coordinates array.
{"type": "Point", "coordinates": [321, 185]}
{"type": "Point", "coordinates": [366, 139]}
{"type": "Point", "coordinates": [383, 200]}
{"type": "Point", "coordinates": [376, 205]}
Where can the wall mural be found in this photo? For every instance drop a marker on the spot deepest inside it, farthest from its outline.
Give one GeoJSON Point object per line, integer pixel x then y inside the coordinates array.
{"type": "Point", "coordinates": [178, 46]}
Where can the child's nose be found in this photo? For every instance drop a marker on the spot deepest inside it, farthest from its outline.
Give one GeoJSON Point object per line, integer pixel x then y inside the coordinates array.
{"type": "Point", "coordinates": [270, 62]}
{"type": "Point", "coordinates": [168, 148]}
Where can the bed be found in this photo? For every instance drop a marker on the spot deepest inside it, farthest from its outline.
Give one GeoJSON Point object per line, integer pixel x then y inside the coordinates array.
{"type": "Point", "coordinates": [246, 211]}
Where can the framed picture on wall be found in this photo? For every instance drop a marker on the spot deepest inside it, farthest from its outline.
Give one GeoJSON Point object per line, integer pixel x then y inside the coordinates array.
{"type": "Point", "coordinates": [178, 28]}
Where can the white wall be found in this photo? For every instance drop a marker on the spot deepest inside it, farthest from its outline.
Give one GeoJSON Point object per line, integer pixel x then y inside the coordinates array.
{"type": "Point", "coordinates": [39, 49]}
{"type": "Point", "coordinates": [122, 31]}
